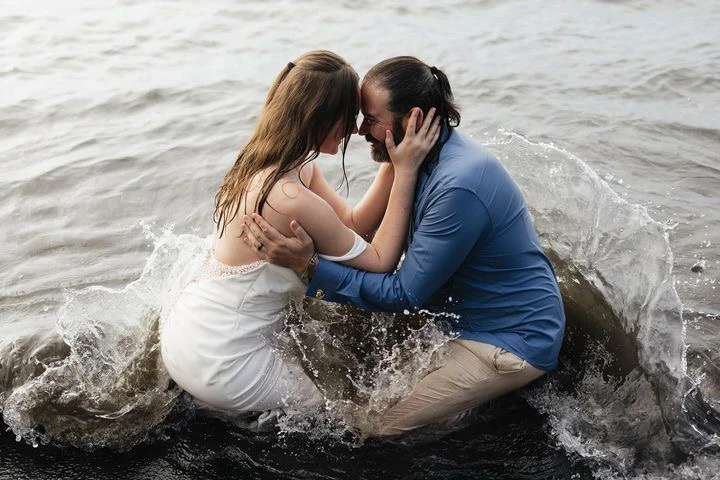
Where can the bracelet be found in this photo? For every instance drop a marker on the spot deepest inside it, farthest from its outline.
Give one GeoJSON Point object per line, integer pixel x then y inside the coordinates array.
{"type": "Point", "coordinates": [310, 268]}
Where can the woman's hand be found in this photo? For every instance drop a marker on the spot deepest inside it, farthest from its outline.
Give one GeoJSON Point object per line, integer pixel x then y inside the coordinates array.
{"type": "Point", "coordinates": [411, 153]}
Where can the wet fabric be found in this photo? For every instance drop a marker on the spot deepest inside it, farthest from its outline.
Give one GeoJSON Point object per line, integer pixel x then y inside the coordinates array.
{"type": "Point", "coordinates": [217, 342]}
{"type": "Point", "coordinates": [472, 374]}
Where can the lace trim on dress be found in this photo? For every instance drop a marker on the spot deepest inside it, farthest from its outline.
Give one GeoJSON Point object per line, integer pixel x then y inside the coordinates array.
{"type": "Point", "coordinates": [213, 268]}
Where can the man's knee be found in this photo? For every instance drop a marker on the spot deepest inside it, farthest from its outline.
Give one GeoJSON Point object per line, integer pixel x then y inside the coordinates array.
{"type": "Point", "coordinates": [508, 369]}
{"type": "Point", "coordinates": [473, 374]}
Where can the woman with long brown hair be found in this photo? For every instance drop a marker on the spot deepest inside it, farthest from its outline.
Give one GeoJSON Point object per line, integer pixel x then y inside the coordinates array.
{"type": "Point", "coordinates": [216, 342]}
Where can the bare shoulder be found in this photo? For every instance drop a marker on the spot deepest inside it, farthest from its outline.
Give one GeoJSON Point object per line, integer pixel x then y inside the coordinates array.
{"type": "Point", "coordinates": [291, 196]}
{"type": "Point", "coordinates": [290, 199]}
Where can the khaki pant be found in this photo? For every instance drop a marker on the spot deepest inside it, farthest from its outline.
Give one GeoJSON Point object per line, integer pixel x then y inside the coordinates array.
{"type": "Point", "coordinates": [474, 373]}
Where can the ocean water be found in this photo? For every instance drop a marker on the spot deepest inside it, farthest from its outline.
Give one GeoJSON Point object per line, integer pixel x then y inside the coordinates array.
{"type": "Point", "coordinates": [118, 119]}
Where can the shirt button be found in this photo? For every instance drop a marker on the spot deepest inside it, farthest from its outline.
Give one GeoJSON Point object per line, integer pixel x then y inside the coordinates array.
{"type": "Point", "coordinates": [319, 294]}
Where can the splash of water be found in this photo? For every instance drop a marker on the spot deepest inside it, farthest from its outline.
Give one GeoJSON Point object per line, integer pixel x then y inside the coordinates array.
{"type": "Point", "coordinates": [614, 265]}
{"type": "Point", "coordinates": [364, 363]}
{"type": "Point", "coordinates": [110, 389]}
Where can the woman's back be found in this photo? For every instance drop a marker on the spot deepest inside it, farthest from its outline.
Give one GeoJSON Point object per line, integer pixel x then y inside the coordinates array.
{"type": "Point", "coordinates": [229, 248]}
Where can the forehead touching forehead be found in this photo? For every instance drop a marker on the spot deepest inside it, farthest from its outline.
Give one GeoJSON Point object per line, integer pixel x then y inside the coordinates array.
{"type": "Point", "coordinates": [374, 100]}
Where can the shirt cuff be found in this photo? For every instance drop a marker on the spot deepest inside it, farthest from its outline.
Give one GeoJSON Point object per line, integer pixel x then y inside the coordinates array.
{"type": "Point", "coordinates": [326, 280]}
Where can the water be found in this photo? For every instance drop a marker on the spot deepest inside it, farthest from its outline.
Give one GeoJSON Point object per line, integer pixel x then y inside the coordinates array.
{"type": "Point", "coordinates": [119, 118]}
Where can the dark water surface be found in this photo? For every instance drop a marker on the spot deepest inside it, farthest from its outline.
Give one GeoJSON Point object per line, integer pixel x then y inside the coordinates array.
{"type": "Point", "coordinates": [199, 451]}
{"type": "Point", "coordinates": [118, 119]}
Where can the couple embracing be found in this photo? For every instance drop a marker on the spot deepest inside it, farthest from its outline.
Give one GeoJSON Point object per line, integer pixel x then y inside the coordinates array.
{"type": "Point", "coordinates": [280, 228]}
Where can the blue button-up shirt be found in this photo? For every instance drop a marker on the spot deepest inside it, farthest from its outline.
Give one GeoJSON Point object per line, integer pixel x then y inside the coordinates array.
{"type": "Point", "coordinates": [472, 252]}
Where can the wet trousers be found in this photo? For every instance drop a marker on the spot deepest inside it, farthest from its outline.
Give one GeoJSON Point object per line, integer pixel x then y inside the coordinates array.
{"type": "Point", "coordinates": [473, 374]}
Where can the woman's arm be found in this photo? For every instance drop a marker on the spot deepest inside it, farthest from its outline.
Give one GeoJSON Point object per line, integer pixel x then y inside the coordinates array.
{"type": "Point", "coordinates": [366, 216]}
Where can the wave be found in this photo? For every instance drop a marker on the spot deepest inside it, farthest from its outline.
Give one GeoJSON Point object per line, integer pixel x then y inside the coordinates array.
{"type": "Point", "coordinates": [627, 380]}
{"type": "Point", "coordinates": [109, 388]}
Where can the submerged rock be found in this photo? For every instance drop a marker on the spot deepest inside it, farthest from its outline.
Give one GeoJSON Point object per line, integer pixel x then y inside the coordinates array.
{"type": "Point", "coordinates": [699, 267]}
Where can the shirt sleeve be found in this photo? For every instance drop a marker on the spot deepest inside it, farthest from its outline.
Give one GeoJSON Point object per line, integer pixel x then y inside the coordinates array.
{"type": "Point", "coordinates": [451, 225]}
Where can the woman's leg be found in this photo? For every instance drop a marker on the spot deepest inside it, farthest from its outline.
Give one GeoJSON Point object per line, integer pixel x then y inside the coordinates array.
{"type": "Point", "coordinates": [290, 388]}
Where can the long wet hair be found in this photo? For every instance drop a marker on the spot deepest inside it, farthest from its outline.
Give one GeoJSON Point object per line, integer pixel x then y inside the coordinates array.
{"type": "Point", "coordinates": [305, 102]}
{"type": "Point", "coordinates": [412, 83]}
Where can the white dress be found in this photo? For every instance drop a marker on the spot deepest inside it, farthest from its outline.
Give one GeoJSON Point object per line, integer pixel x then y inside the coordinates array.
{"type": "Point", "coordinates": [216, 342]}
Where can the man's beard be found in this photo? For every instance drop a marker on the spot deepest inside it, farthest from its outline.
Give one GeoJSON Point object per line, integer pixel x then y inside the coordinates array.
{"type": "Point", "coordinates": [378, 150]}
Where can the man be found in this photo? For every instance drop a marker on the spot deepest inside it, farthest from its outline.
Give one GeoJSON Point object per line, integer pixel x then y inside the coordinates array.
{"type": "Point", "coordinates": [472, 251]}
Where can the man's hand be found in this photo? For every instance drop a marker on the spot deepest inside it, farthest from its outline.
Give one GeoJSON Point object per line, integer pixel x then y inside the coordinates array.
{"type": "Point", "coordinates": [292, 252]}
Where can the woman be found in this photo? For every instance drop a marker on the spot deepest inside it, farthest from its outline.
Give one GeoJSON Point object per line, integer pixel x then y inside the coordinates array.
{"type": "Point", "coordinates": [216, 342]}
